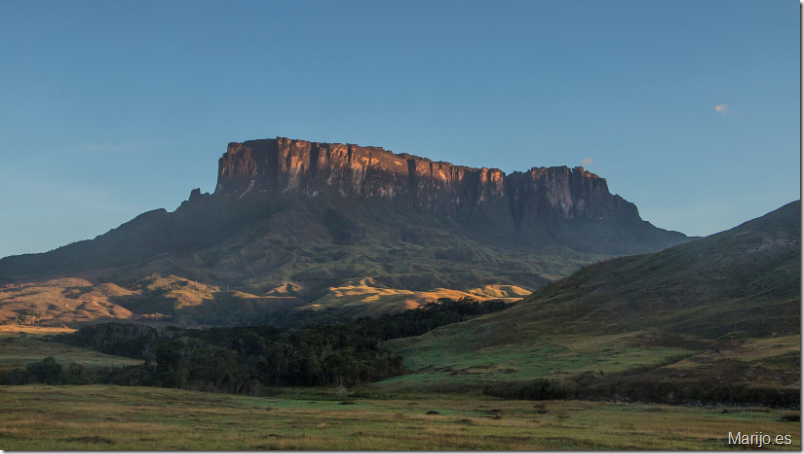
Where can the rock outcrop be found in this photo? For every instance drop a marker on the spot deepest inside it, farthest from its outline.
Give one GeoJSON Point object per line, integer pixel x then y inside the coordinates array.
{"type": "Point", "coordinates": [270, 167]}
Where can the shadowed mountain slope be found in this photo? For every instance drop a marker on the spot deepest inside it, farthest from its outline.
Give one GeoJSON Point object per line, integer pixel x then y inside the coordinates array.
{"type": "Point", "coordinates": [745, 279]}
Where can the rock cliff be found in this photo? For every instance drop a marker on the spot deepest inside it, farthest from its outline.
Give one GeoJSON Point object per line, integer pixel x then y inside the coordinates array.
{"type": "Point", "coordinates": [269, 167]}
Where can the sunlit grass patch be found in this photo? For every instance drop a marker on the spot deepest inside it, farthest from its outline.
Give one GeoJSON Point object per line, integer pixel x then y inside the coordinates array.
{"type": "Point", "coordinates": [30, 330]}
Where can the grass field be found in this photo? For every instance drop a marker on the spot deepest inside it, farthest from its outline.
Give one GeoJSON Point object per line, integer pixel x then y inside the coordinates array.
{"type": "Point", "coordinates": [447, 358]}
{"type": "Point", "coordinates": [21, 345]}
{"type": "Point", "coordinates": [35, 417]}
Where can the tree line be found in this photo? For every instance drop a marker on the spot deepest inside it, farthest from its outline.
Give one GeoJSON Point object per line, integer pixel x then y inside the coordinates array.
{"type": "Point", "coordinates": [251, 359]}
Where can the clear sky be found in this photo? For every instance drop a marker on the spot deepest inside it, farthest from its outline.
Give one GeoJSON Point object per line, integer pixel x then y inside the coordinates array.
{"type": "Point", "coordinates": [691, 110]}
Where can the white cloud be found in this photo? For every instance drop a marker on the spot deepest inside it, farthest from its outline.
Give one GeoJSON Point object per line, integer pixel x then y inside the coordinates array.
{"type": "Point", "coordinates": [722, 109]}
{"type": "Point", "coordinates": [587, 161]}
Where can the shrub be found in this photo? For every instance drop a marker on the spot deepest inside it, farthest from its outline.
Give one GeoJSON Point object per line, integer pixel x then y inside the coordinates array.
{"type": "Point", "coordinates": [341, 392]}
{"type": "Point", "coordinates": [45, 372]}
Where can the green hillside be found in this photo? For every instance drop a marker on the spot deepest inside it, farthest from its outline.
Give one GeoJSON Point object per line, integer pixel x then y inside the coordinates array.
{"type": "Point", "coordinates": [721, 311]}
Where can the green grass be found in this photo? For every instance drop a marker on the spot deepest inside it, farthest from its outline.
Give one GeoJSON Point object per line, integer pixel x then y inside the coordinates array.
{"type": "Point", "coordinates": [18, 350]}
{"type": "Point", "coordinates": [131, 418]}
{"type": "Point", "coordinates": [455, 356]}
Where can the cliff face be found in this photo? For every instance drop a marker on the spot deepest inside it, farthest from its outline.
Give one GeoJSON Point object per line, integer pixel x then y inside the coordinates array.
{"type": "Point", "coordinates": [265, 168]}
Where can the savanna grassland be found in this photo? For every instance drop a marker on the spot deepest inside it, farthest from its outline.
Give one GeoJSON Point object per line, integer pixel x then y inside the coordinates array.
{"type": "Point", "coordinates": [105, 417]}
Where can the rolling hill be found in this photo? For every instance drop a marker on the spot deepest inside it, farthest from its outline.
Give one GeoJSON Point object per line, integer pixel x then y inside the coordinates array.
{"type": "Point", "coordinates": [720, 314]}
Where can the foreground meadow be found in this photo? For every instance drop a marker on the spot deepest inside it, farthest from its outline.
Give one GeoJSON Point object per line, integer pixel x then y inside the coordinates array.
{"type": "Point", "coordinates": [36, 417]}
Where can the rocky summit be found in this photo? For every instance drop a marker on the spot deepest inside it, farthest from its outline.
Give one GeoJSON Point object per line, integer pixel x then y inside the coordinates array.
{"type": "Point", "coordinates": [272, 167]}
{"type": "Point", "coordinates": [297, 224]}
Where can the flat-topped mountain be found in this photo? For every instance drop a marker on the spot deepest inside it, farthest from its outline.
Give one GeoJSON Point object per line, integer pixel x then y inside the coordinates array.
{"type": "Point", "coordinates": [270, 167]}
{"type": "Point", "coordinates": [304, 221]}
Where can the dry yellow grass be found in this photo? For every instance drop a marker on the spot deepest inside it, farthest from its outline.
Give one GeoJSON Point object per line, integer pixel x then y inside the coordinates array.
{"type": "Point", "coordinates": [36, 331]}
{"type": "Point", "coordinates": [75, 302]}
{"type": "Point", "coordinates": [372, 299]}
{"type": "Point", "coordinates": [62, 301]}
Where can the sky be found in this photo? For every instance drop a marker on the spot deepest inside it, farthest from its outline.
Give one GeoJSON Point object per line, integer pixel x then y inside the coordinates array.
{"type": "Point", "coordinates": [689, 109]}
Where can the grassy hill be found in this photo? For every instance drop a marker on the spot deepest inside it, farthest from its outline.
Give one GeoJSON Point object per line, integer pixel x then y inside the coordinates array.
{"type": "Point", "coordinates": [714, 313]}
{"type": "Point", "coordinates": [174, 300]}
{"type": "Point", "coordinates": [155, 299]}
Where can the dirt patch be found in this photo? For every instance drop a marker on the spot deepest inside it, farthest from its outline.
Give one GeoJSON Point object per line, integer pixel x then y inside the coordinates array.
{"type": "Point", "coordinates": [95, 439]}
{"type": "Point", "coordinates": [566, 440]}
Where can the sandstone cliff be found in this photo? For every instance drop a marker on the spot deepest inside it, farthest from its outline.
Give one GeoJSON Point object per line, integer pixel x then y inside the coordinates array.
{"type": "Point", "coordinates": [269, 167]}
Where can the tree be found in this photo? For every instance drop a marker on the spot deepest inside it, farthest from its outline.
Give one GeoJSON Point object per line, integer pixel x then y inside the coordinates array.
{"type": "Point", "coordinates": [45, 372]}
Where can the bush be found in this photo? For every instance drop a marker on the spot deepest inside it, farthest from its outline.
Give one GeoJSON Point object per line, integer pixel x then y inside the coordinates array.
{"type": "Point", "coordinates": [47, 371]}
{"type": "Point", "coordinates": [341, 392]}
{"type": "Point", "coordinates": [539, 389]}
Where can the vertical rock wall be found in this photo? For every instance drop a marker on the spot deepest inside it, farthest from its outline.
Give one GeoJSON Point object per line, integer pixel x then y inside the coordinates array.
{"type": "Point", "coordinates": [266, 168]}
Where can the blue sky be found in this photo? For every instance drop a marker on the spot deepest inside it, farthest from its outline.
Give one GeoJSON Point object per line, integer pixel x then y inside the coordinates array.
{"type": "Point", "coordinates": [110, 109]}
